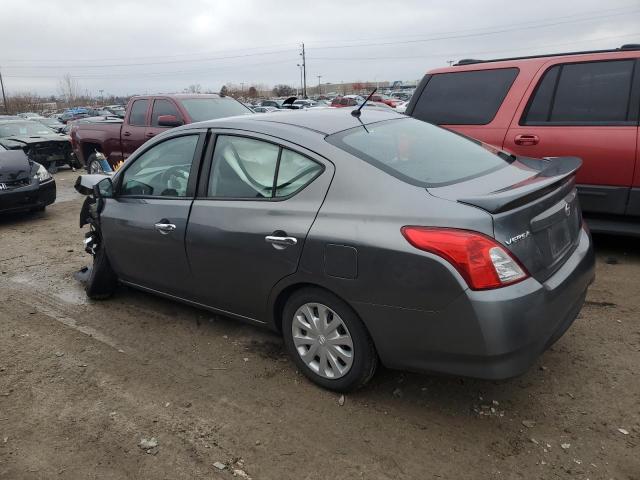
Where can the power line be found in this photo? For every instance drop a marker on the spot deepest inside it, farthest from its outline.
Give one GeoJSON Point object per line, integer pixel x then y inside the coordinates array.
{"type": "Point", "coordinates": [450, 37]}
{"type": "Point", "coordinates": [472, 53]}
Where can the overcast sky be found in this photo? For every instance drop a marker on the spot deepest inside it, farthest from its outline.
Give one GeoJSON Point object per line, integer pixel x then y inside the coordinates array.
{"type": "Point", "coordinates": [152, 46]}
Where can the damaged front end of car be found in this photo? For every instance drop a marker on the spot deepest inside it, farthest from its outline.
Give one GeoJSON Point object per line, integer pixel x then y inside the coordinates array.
{"type": "Point", "coordinates": [96, 188]}
{"type": "Point", "coordinates": [51, 151]}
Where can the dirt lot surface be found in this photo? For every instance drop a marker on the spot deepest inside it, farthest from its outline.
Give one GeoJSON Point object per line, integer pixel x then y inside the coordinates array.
{"type": "Point", "coordinates": [83, 383]}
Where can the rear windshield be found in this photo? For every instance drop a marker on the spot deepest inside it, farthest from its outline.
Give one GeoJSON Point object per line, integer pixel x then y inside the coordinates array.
{"type": "Point", "coordinates": [464, 98]}
{"type": "Point", "coordinates": [418, 152]}
{"type": "Point", "coordinates": [201, 109]}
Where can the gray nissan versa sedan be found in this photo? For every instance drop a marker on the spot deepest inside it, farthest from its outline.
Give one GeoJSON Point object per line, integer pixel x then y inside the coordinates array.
{"type": "Point", "coordinates": [359, 238]}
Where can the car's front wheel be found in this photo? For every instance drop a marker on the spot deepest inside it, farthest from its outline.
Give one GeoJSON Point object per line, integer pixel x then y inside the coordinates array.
{"type": "Point", "coordinates": [327, 340]}
{"type": "Point", "coordinates": [102, 280]}
{"type": "Point", "coordinates": [93, 164]}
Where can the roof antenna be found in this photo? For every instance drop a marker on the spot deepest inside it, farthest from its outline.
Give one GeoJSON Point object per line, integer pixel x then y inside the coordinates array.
{"type": "Point", "coordinates": [356, 112]}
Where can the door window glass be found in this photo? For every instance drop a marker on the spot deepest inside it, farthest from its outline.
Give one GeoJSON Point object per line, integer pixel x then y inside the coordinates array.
{"type": "Point", "coordinates": [138, 114]}
{"type": "Point", "coordinates": [163, 107]}
{"type": "Point", "coordinates": [583, 93]}
{"type": "Point", "coordinates": [294, 173]}
{"type": "Point", "coordinates": [464, 98]}
{"type": "Point", "coordinates": [163, 170]}
{"type": "Point", "coordinates": [243, 168]}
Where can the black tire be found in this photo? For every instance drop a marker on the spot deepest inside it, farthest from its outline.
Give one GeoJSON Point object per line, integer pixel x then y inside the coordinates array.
{"type": "Point", "coordinates": [102, 280]}
{"type": "Point", "coordinates": [93, 165]}
{"type": "Point", "coordinates": [365, 358]}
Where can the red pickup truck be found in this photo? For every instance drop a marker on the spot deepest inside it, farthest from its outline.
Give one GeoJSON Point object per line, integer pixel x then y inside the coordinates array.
{"type": "Point", "coordinates": [101, 143]}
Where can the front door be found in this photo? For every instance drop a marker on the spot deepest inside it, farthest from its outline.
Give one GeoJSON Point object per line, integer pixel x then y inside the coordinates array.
{"type": "Point", "coordinates": [162, 106]}
{"type": "Point", "coordinates": [588, 110]}
{"type": "Point", "coordinates": [250, 220]}
{"type": "Point", "coordinates": [144, 225]}
{"type": "Point", "coordinates": [134, 128]}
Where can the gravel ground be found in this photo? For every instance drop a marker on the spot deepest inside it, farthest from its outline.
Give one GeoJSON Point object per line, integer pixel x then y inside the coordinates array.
{"type": "Point", "coordinates": [140, 387]}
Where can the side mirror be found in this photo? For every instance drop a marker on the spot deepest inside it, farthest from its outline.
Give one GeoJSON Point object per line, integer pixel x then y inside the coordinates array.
{"type": "Point", "coordinates": [169, 121]}
{"type": "Point", "coordinates": [103, 189]}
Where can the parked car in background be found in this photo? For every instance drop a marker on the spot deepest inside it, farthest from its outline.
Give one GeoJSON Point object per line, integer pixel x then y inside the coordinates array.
{"type": "Point", "coordinates": [38, 142]}
{"type": "Point", "coordinates": [29, 115]}
{"type": "Point", "coordinates": [103, 144]}
{"type": "Point", "coordinates": [52, 123]}
{"type": "Point", "coordinates": [25, 185]}
{"type": "Point", "coordinates": [377, 238]}
{"type": "Point", "coordinates": [402, 106]}
{"type": "Point", "coordinates": [392, 102]}
{"type": "Point", "coordinates": [584, 104]}
{"type": "Point", "coordinates": [71, 116]}
{"type": "Point", "coordinates": [305, 103]}
{"type": "Point", "coordinates": [261, 109]}
{"type": "Point", "coordinates": [271, 103]}
{"type": "Point", "coordinates": [347, 101]}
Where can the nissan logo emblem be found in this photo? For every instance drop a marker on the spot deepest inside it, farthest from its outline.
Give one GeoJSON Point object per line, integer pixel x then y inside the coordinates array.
{"type": "Point", "coordinates": [567, 209]}
{"type": "Point", "coordinates": [3, 186]}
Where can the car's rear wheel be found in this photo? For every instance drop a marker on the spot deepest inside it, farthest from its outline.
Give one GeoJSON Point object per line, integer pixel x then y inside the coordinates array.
{"type": "Point", "coordinates": [102, 280]}
{"type": "Point", "coordinates": [93, 164]}
{"type": "Point", "coordinates": [328, 341]}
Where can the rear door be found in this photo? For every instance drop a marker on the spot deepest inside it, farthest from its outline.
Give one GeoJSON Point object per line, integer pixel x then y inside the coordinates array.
{"type": "Point", "coordinates": [134, 128]}
{"type": "Point", "coordinates": [588, 110]}
{"type": "Point", "coordinates": [256, 202]}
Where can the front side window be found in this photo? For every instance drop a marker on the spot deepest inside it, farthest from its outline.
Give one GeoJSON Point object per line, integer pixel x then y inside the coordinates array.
{"type": "Point", "coordinates": [418, 153]}
{"type": "Point", "coordinates": [464, 98]}
{"type": "Point", "coordinates": [161, 171]}
{"type": "Point", "coordinates": [138, 114]}
{"type": "Point", "coordinates": [163, 107]}
{"type": "Point", "coordinates": [583, 94]}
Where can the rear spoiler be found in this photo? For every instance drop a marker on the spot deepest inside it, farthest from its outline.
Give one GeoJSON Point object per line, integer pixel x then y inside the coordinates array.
{"type": "Point", "coordinates": [556, 172]}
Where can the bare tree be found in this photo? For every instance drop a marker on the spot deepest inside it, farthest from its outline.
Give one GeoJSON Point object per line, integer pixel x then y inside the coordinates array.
{"type": "Point", "coordinates": [193, 88]}
{"type": "Point", "coordinates": [69, 89]}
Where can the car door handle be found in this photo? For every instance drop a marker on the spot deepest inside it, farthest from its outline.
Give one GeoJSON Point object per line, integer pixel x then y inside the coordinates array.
{"type": "Point", "coordinates": [282, 242]}
{"type": "Point", "coordinates": [150, 134]}
{"type": "Point", "coordinates": [164, 227]}
{"type": "Point", "coordinates": [526, 139]}
{"type": "Point", "coordinates": [126, 134]}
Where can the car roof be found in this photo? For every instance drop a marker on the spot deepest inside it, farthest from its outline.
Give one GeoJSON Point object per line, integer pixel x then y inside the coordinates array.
{"type": "Point", "coordinates": [325, 121]}
{"type": "Point", "coordinates": [538, 60]}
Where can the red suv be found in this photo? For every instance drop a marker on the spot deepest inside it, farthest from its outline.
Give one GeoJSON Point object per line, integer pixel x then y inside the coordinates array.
{"type": "Point", "coordinates": [582, 104]}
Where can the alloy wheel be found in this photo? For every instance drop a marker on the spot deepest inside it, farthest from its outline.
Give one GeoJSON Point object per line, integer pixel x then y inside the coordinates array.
{"type": "Point", "coordinates": [322, 340]}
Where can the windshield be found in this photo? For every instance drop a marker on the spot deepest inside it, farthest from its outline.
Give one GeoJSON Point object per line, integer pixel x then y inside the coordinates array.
{"type": "Point", "coordinates": [417, 152]}
{"type": "Point", "coordinates": [24, 129]}
{"type": "Point", "coordinates": [200, 109]}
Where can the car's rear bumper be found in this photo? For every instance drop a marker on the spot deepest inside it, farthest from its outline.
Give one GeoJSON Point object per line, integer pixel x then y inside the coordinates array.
{"type": "Point", "coordinates": [36, 195]}
{"type": "Point", "coordinates": [492, 334]}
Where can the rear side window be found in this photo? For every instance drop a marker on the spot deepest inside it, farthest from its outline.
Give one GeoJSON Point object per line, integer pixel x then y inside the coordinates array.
{"type": "Point", "coordinates": [464, 98]}
{"type": "Point", "coordinates": [583, 94]}
{"type": "Point", "coordinates": [163, 107]}
{"type": "Point", "coordinates": [138, 114]}
{"type": "Point", "coordinates": [418, 153]}
{"type": "Point", "coordinates": [246, 168]}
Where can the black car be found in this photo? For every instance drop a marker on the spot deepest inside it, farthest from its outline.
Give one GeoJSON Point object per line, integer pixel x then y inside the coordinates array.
{"type": "Point", "coordinates": [38, 142]}
{"type": "Point", "coordinates": [24, 184]}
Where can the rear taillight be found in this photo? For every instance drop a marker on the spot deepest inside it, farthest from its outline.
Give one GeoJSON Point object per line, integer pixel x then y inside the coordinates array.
{"type": "Point", "coordinates": [482, 262]}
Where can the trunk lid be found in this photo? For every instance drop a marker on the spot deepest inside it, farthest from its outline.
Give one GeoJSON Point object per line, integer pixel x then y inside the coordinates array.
{"type": "Point", "coordinates": [535, 210]}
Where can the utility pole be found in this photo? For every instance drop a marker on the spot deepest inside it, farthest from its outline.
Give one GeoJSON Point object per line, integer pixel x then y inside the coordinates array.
{"type": "Point", "coordinates": [319, 77]}
{"type": "Point", "coordinates": [304, 72]}
{"type": "Point", "coordinates": [4, 98]}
